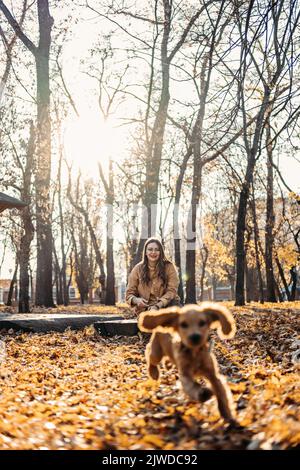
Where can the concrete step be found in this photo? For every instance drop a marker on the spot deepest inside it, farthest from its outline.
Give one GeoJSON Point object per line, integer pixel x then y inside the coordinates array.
{"type": "Point", "coordinates": [43, 323]}
{"type": "Point", "coordinates": [117, 327]}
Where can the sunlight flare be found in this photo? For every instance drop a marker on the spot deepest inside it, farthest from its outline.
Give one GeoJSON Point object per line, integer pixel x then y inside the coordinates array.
{"type": "Point", "coordinates": [89, 140]}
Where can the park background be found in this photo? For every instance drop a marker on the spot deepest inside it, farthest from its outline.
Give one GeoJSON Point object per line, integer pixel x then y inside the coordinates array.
{"type": "Point", "coordinates": [124, 119]}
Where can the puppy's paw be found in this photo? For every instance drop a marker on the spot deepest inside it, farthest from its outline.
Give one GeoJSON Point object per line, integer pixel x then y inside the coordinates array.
{"type": "Point", "coordinates": [204, 394]}
{"type": "Point", "coordinates": [153, 372]}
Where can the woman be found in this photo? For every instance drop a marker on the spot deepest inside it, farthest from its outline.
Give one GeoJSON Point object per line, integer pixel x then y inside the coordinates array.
{"type": "Point", "coordinates": [153, 283]}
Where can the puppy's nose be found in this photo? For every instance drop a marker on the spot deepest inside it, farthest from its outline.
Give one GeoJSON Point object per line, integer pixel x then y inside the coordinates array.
{"type": "Point", "coordinates": [195, 338]}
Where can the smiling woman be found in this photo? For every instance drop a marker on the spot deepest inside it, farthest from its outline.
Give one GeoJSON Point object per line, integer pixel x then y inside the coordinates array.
{"type": "Point", "coordinates": [89, 140]}
{"type": "Point", "coordinates": [153, 283]}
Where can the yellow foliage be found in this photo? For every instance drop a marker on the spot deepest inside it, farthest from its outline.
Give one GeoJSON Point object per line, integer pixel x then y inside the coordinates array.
{"type": "Point", "coordinates": [76, 390]}
{"type": "Point", "coordinates": [287, 256]}
{"type": "Point", "coordinates": [219, 255]}
{"type": "Point", "coordinates": [154, 440]}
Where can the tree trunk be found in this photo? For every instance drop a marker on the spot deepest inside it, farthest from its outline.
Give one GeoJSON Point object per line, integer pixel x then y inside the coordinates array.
{"type": "Point", "coordinates": [252, 290]}
{"type": "Point", "coordinates": [43, 167]}
{"type": "Point", "coordinates": [28, 227]}
{"type": "Point", "coordinates": [130, 256]}
{"type": "Point", "coordinates": [155, 144]}
{"type": "Point", "coordinates": [256, 243]}
{"type": "Point", "coordinates": [177, 259]}
{"type": "Point", "coordinates": [252, 145]}
{"type": "Point", "coordinates": [271, 76]}
{"type": "Point", "coordinates": [282, 276]}
{"type": "Point", "coordinates": [44, 294]}
{"type": "Point", "coordinates": [248, 284]}
{"type": "Point", "coordinates": [58, 279]}
{"type": "Point", "coordinates": [177, 250]}
{"type": "Point", "coordinates": [231, 281]}
{"type": "Point", "coordinates": [82, 267]}
{"type": "Point", "coordinates": [88, 224]}
{"type": "Point", "coordinates": [63, 275]}
{"type": "Point", "coordinates": [214, 287]}
{"type": "Point", "coordinates": [191, 235]}
{"type": "Point", "coordinates": [12, 285]}
{"type": "Point", "coordinates": [280, 296]}
{"type": "Point", "coordinates": [26, 240]}
{"type": "Point", "coordinates": [270, 220]}
{"type": "Point", "coordinates": [71, 274]}
{"type": "Point", "coordinates": [240, 233]}
{"type": "Point", "coordinates": [293, 272]}
{"type": "Point", "coordinates": [110, 297]}
{"type": "Point", "coordinates": [204, 253]}
{"type": "Point", "coordinates": [240, 248]}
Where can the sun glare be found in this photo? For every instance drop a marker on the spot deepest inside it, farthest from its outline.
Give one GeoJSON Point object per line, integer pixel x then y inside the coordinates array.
{"type": "Point", "coordinates": [90, 140]}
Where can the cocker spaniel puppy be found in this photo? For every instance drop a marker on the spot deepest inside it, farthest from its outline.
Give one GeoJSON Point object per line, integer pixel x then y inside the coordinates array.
{"type": "Point", "coordinates": [181, 335]}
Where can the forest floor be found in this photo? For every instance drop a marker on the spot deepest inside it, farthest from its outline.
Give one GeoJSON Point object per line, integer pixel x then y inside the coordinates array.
{"type": "Point", "coordinates": [77, 390]}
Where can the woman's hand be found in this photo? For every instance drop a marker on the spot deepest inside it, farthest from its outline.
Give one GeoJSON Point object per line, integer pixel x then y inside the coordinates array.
{"type": "Point", "coordinates": [153, 307]}
{"type": "Point", "coordinates": [140, 303]}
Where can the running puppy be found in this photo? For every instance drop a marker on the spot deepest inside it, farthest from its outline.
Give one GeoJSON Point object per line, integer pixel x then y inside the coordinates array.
{"type": "Point", "coordinates": [181, 334]}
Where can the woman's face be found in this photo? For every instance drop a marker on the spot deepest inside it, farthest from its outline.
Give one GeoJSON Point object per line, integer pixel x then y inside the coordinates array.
{"type": "Point", "coordinates": [153, 252]}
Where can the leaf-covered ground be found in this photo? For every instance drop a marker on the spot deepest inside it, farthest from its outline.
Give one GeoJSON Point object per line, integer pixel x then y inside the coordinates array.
{"type": "Point", "coordinates": [76, 390]}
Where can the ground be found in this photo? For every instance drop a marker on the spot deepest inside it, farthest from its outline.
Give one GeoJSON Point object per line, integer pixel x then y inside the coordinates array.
{"type": "Point", "coordinates": [76, 390]}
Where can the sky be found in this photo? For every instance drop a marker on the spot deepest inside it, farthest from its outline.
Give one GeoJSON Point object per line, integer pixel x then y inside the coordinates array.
{"type": "Point", "coordinates": [88, 138]}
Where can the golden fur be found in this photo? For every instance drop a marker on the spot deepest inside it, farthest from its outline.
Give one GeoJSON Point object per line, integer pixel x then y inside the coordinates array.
{"type": "Point", "coordinates": [181, 335]}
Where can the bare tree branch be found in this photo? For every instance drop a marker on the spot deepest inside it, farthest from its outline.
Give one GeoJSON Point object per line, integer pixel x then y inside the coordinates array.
{"type": "Point", "coordinates": [17, 29]}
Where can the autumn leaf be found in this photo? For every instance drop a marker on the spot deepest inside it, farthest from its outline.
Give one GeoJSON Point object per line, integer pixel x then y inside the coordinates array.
{"type": "Point", "coordinates": [74, 390]}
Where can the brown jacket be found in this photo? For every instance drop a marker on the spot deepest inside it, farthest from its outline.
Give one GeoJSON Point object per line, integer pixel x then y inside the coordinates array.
{"type": "Point", "coordinates": [155, 291]}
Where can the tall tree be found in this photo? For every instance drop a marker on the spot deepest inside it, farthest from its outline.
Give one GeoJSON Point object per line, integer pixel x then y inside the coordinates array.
{"type": "Point", "coordinates": [110, 296]}
{"type": "Point", "coordinates": [270, 217]}
{"type": "Point", "coordinates": [84, 211]}
{"type": "Point", "coordinates": [271, 21]}
{"type": "Point", "coordinates": [28, 228]}
{"type": "Point", "coordinates": [203, 150]}
{"type": "Point", "coordinates": [41, 54]}
{"type": "Point", "coordinates": [164, 12]}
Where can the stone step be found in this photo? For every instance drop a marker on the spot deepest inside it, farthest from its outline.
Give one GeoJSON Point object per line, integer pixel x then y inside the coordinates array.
{"type": "Point", "coordinates": [117, 327]}
{"type": "Point", "coordinates": [43, 323]}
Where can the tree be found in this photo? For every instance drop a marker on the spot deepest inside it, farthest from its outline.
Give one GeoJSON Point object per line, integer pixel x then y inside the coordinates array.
{"type": "Point", "coordinates": [212, 130]}
{"type": "Point", "coordinates": [9, 45]}
{"type": "Point", "coordinates": [253, 23]}
{"type": "Point", "coordinates": [41, 55]}
{"type": "Point", "coordinates": [110, 297]}
{"type": "Point", "coordinates": [157, 103]}
{"type": "Point", "coordinates": [84, 211]}
{"type": "Point", "coordinates": [270, 217]}
{"type": "Point", "coordinates": [28, 228]}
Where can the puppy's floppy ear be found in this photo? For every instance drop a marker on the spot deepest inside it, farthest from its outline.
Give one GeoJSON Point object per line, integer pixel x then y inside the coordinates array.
{"type": "Point", "coordinates": [219, 313]}
{"type": "Point", "coordinates": [166, 317]}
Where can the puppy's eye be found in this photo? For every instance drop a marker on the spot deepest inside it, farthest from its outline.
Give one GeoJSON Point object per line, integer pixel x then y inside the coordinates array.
{"type": "Point", "coordinates": [184, 324]}
{"type": "Point", "coordinates": [202, 323]}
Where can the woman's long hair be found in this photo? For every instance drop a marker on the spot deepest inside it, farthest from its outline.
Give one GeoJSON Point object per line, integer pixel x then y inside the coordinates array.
{"type": "Point", "coordinates": [161, 264]}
